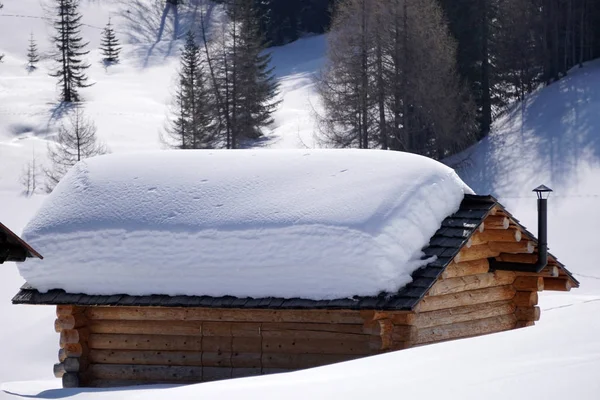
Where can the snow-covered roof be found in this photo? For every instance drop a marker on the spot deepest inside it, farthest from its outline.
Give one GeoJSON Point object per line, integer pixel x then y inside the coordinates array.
{"type": "Point", "coordinates": [315, 224]}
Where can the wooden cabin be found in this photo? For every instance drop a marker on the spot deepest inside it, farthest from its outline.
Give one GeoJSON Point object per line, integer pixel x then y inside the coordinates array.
{"type": "Point", "coordinates": [479, 283]}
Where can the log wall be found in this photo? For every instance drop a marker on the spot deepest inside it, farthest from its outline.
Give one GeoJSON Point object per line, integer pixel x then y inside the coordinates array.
{"type": "Point", "coordinates": [116, 346]}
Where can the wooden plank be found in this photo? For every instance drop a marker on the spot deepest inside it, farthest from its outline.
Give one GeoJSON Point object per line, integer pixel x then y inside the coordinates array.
{"type": "Point", "coordinates": [524, 324]}
{"type": "Point", "coordinates": [557, 284]}
{"type": "Point", "coordinates": [336, 328]}
{"type": "Point", "coordinates": [465, 313]}
{"type": "Point", "coordinates": [518, 258]}
{"type": "Point", "coordinates": [300, 361]}
{"type": "Point", "coordinates": [403, 333]}
{"type": "Point", "coordinates": [146, 357]}
{"type": "Point", "coordinates": [549, 271]}
{"type": "Point", "coordinates": [473, 253]}
{"type": "Point", "coordinates": [488, 295]}
{"type": "Point", "coordinates": [532, 283]}
{"type": "Point", "coordinates": [509, 235]}
{"type": "Point", "coordinates": [369, 346]}
{"type": "Point", "coordinates": [475, 267]}
{"type": "Point", "coordinates": [216, 344]}
{"type": "Point", "coordinates": [220, 314]}
{"type": "Point", "coordinates": [528, 313]}
{"type": "Point", "coordinates": [144, 342]}
{"type": "Point", "coordinates": [145, 372]}
{"type": "Point", "coordinates": [316, 335]}
{"type": "Point", "coordinates": [522, 247]}
{"type": "Point", "coordinates": [496, 222]}
{"type": "Point", "coordinates": [471, 282]}
{"type": "Point", "coordinates": [186, 328]}
{"type": "Point", "coordinates": [466, 329]}
{"type": "Point", "coordinates": [526, 299]}
{"type": "Point", "coordinates": [397, 317]}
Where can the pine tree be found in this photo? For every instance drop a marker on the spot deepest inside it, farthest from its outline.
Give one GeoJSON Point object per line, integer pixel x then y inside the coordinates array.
{"type": "Point", "coordinates": [70, 50]}
{"type": "Point", "coordinates": [245, 81]}
{"type": "Point", "coordinates": [110, 45]}
{"type": "Point", "coordinates": [76, 141]}
{"type": "Point", "coordinates": [193, 124]}
{"type": "Point", "coordinates": [32, 54]}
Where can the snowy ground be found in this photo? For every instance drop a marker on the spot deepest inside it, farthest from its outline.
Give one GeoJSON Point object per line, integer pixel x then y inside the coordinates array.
{"type": "Point", "coordinates": [552, 139]}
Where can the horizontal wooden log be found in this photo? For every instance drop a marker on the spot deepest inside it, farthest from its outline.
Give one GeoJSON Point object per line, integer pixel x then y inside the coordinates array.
{"type": "Point", "coordinates": [523, 246]}
{"type": "Point", "coordinates": [478, 252]}
{"type": "Point", "coordinates": [396, 317]}
{"type": "Point", "coordinates": [466, 329]}
{"type": "Point", "coordinates": [301, 361]}
{"type": "Point", "coordinates": [528, 313]}
{"type": "Point", "coordinates": [73, 336]}
{"type": "Point", "coordinates": [498, 293]}
{"type": "Point", "coordinates": [70, 380]}
{"type": "Point", "coordinates": [145, 342]}
{"type": "Point", "coordinates": [185, 328]}
{"type": "Point", "coordinates": [471, 282]}
{"type": "Point", "coordinates": [526, 299]}
{"type": "Point", "coordinates": [121, 383]}
{"type": "Point", "coordinates": [465, 313]}
{"type": "Point", "coordinates": [508, 235]}
{"type": "Point", "coordinates": [145, 372]}
{"type": "Point", "coordinates": [370, 345]}
{"type": "Point", "coordinates": [176, 358]}
{"type": "Point", "coordinates": [174, 374]}
{"type": "Point", "coordinates": [532, 283]}
{"type": "Point", "coordinates": [454, 270]}
{"type": "Point", "coordinates": [549, 271]}
{"type": "Point", "coordinates": [316, 335]}
{"type": "Point", "coordinates": [62, 310]}
{"type": "Point", "coordinates": [59, 370]}
{"type": "Point", "coordinates": [557, 284]}
{"type": "Point", "coordinates": [496, 222]}
{"type": "Point", "coordinates": [524, 324]}
{"type": "Point", "coordinates": [69, 322]}
{"type": "Point", "coordinates": [231, 315]}
{"type": "Point", "coordinates": [403, 333]}
{"type": "Point", "coordinates": [518, 258]}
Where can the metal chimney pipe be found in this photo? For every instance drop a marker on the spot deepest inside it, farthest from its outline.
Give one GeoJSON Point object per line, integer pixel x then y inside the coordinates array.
{"type": "Point", "coordinates": [542, 206]}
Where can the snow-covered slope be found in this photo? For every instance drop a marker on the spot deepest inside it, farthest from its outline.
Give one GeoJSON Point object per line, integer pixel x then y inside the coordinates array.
{"type": "Point", "coordinates": [552, 139]}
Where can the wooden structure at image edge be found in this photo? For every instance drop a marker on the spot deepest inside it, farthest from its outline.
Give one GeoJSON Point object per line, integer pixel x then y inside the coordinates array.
{"type": "Point", "coordinates": [127, 340]}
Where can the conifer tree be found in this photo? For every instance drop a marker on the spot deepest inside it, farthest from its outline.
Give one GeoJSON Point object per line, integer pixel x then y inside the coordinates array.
{"type": "Point", "coordinates": [70, 47]}
{"type": "Point", "coordinates": [110, 45]}
{"type": "Point", "coordinates": [76, 141]}
{"type": "Point", "coordinates": [246, 83]}
{"type": "Point", "coordinates": [32, 54]}
{"type": "Point", "coordinates": [192, 125]}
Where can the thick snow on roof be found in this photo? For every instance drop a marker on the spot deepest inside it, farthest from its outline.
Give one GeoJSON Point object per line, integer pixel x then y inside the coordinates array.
{"type": "Point", "coordinates": [318, 224]}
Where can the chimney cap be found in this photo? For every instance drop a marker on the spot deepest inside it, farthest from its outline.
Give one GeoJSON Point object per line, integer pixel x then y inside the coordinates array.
{"type": "Point", "coordinates": [543, 191]}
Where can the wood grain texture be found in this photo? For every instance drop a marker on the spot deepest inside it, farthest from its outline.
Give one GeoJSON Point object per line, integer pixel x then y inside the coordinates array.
{"type": "Point", "coordinates": [472, 282]}
{"type": "Point", "coordinates": [498, 293]}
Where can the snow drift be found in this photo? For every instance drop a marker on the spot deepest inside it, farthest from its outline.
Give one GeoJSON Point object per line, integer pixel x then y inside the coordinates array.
{"type": "Point", "coordinates": [313, 224]}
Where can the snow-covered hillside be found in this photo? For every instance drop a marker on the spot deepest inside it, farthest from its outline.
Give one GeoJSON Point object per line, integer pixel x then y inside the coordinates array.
{"type": "Point", "coordinates": [553, 139]}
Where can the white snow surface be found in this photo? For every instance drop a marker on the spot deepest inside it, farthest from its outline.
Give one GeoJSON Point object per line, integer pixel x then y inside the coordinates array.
{"type": "Point", "coordinates": [317, 224]}
{"type": "Point", "coordinates": [550, 138]}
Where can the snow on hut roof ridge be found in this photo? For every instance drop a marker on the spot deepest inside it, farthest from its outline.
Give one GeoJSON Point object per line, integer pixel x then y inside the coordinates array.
{"type": "Point", "coordinates": [291, 223]}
